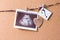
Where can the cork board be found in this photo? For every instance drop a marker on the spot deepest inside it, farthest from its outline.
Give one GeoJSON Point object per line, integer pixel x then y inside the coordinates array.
{"type": "Point", "coordinates": [50, 30]}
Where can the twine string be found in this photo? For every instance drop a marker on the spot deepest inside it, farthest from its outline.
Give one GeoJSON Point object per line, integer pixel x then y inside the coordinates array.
{"type": "Point", "coordinates": [31, 8]}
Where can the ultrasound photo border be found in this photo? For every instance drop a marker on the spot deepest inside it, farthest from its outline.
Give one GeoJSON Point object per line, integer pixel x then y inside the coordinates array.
{"type": "Point", "coordinates": [22, 27]}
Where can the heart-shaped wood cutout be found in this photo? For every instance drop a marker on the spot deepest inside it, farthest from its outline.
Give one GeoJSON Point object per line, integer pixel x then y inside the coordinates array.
{"type": "Point", "coordinates": [38, 21]}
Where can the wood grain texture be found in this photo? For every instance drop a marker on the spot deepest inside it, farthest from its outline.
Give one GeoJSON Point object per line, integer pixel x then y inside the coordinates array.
{"type": "Point", "coordinates": [50, 30]}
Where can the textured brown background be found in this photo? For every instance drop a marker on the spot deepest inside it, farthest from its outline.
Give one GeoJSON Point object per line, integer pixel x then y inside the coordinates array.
{"type": "Point", "coordinates": [50, 30]}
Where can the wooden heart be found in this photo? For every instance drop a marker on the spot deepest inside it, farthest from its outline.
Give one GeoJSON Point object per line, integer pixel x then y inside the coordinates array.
{"type": "Point", "coordinates": [38, 21]}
